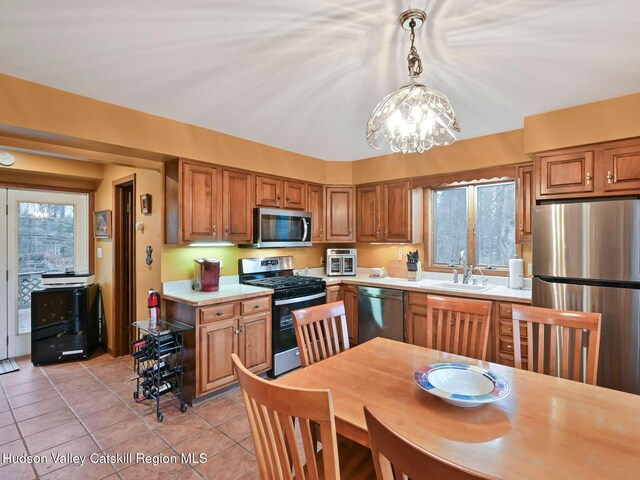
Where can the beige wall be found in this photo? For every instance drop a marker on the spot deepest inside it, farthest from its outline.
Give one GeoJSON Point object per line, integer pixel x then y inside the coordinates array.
{"type": "Point", "coordinates": [612, 119]}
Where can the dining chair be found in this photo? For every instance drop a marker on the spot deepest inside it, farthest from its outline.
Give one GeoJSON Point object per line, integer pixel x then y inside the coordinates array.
{"type": "Point", "coordinates": [458, 325]}
{"type": "Point", "coordinates": [565, 343]}
{"type": "Point", "coordinates": [273, 410]}
{"type": "Point", "coordinates": [321, 331]}
{"type": "Point", "coordinates": [397, 458]}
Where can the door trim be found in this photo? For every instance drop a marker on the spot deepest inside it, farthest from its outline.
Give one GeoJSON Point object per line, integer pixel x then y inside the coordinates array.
{"type": "Point", "coordinates": [120, 323]}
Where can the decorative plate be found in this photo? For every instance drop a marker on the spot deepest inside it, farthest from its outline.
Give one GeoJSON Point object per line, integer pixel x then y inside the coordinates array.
{"type": "Point", "coordinates": [462, 385]}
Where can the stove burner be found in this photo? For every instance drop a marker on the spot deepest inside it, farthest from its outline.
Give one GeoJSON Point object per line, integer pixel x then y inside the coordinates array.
{"type": "Point", "coordinates": [284, 282]}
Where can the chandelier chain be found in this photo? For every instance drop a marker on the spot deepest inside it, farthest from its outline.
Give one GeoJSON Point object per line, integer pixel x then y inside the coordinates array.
{"type": "Point", "coordinates": [415, 63]}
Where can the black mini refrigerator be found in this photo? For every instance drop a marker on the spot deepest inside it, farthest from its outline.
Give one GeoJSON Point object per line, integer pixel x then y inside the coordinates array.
{"type": "Point", "coordinates": [64, 323]}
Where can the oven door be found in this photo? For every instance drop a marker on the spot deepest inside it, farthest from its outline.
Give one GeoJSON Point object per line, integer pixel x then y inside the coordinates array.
{"type": "Point", "coordinates": [281, 228]}
{"type": "Point", "coordinates": [285, 347]}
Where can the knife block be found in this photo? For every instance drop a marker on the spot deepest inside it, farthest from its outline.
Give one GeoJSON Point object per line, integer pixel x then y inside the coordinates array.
{"type": "Point", "coordinates": [414, 271]}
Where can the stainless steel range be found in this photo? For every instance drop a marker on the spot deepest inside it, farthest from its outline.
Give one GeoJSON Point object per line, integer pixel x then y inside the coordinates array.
{"type": "Point", "coordinates": [291, 293]}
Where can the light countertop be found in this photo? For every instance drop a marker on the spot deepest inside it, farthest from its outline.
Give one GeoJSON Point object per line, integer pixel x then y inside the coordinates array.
{"type": "Point", "coordinates": [227, 293]}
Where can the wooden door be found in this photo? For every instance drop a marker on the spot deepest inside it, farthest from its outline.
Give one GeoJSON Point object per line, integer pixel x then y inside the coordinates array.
{"type": "Point", "coordinates": [200, 202]}
{"type": "Point", "coordinates": [368, 213]}
{"type": "Point", "coordinates": [254, 342]}
{"type": "Point", "coordinates": [295, 195]}
{"type": "Point", "coordinates": [350, 299]}
{"type": "Point", "coordinates": [340, 212]}
{"type": "Point", "coordinates": [268, 192]}
{"type": "Point", "coordinates": [564, 173]}
{"type": "Point", "coordinates": [417, 318]}
{"type": "Point", "coordinates": [217, 341]}
{"type": "Point", "coordinates": [524, 203]}
{"type": "Point", "coordinates": [621, 168]}
{"type": "Point", "coordinates": [315, 204]}
{"type": "Point", "coordinates": [333, 293]}
{"type": "Point", "coordinates": [396, 211]}
{"type": "Point", "coordinates": [237, 207]}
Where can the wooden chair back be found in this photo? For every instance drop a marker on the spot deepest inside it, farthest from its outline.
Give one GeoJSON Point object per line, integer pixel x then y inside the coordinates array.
{"type": "Point", "coordinates": [321, 331]}
{"type": "Point", "coordinates": [565, 343]}
{"type": "Point", "coordinates": [458, 325]}
{"type": "Point", "coordinates": [272, 410]}
{"type": "Point", "coordinates": [396, 458]}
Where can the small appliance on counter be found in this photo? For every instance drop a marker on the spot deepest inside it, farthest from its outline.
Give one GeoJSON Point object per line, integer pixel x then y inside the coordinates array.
{"type": "Point", "coordinates": [207, 275]}
{"type": "Point", "coordinates": [341, 261]}
{"type": "Point", "coordinates": [414, 266]}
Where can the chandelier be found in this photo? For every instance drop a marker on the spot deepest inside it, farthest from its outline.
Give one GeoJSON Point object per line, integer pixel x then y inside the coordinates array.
{"type": "Point", "coordinates": [414, 118]}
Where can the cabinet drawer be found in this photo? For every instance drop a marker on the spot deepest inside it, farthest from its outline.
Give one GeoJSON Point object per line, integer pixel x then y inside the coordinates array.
{"type": "Point", "coordinates": [505, 310]}
{"type": "Point", "coordinates": [419, 299]}
{"type": "Point", "coordinates": [505, 345]}
{"type": "Point", "coordinates": [254, 305]}
{"type": "Point", "coordinates": [509, 361]}
{"type": "Point", "coordinates": [219, 312]}
{"type": "Point", "coordinates": [506, 328]}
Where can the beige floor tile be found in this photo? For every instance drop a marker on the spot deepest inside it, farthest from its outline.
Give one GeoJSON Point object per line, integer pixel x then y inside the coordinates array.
{"type": "Point", "coordinates": [8, 434]}
{"type": "Point", "coordinates": [237, 428]}
{"type": "Point", "coordinates": [161, 471]}
{"type": "Point", "coordinates": [45, 422]}
{"type": "Point", "coordinates": [54, 436]}
{"type": "Point", "coordinates": [106, 402]}
{"type": "Point", "coordinates": [4, 405]}
{"type": "Point", "coordinates": [147, 443]}
{"type": "Point", "coordinates": [178, 428]}
{"type": "Point", "coordinates": [76, 384]}
{"type": "Point", "coordinates": [221, 411]}
{"type": "Point", "coordinates": [98, 358]}
{"type": "Point", "coordinates": [93, 471]}
{"type": "Point", "coordinates": [248, 445]}
{"type": "Point", "coordinates": [105, 418]}
{"type": "Point", "coordinates": [252, 475]}
{"type": "Point", "coordinates": [33, 397]}
{"type": "Point", "coordinates": [235, 394]}
{"type": "Point", "coordinates": [39, 384]}
{"type": "Point", "coordinates": [230, 464]}
{"type": "Point", "coordinates": [84, 445]}
{"type": "Point", "coordinates": [6, 418]}
{"type": "Point", "coordinates": [119, 432]}
{"type": "Point", "coordinates": [12, 448]}
{"type": "Point", "coordinates": [21, 376]}
{"type": "Point", "coordinates": [210, 442]}
{"type": "Point", "coordinates": [17, 471]}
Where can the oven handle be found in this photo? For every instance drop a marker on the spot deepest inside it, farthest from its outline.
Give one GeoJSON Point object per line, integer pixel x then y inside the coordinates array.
{"type": "Point", "coordinates": [300, 299]}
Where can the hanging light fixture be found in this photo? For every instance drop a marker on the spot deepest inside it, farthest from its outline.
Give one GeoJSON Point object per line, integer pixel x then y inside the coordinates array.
{"type": "Point", "coordinates": [414, 118]}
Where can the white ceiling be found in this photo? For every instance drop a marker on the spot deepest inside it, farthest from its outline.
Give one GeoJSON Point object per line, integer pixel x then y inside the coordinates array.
{"type": "Point", "coordinates": [304, 75]}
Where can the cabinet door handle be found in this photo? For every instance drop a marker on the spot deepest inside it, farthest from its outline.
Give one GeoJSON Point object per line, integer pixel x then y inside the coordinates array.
{"type": "Point", "coordinates": [588, 178]}
{"type": "Point", "coordinates": [226, 229]}
{"type": "Point", "coordinates": [236, 331]}
{"type": "Point", "coordinates": [521, 228]}
{"type": "Point", "coordinates": [241, 329]}
{"type": "Point", "coordinates": [609, 177]}
{"type": "Point", "coordinates": [219, 314]}
{"type": "Point", "coordinates": [278, 197]}
{"type": "Point", "coordinates": [257, 306]}
{"type": "Point", "coordinates": [214, 231]}
{"type": "Point", "coordinates": [386, 233]}
{"type": "Point", "coordinates": [287, 200]}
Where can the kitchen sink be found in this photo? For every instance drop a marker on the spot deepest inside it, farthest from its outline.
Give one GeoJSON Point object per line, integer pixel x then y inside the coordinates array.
{"type": "Point", "coordinates": [461, 287]}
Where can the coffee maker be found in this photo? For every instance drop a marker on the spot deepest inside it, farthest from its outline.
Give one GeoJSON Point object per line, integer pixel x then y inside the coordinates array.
{"type": "Point", "coordinates": [207, 274]}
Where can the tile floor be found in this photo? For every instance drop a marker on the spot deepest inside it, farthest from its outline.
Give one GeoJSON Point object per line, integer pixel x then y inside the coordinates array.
{"type": "Point", "coordinates": [87, 407]}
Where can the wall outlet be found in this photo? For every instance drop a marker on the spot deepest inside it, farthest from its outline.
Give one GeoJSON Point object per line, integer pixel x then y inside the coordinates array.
{"type": "Point", "coordinates": [99, 252]}
{"type": "Point", "coordinates": [321, 260]}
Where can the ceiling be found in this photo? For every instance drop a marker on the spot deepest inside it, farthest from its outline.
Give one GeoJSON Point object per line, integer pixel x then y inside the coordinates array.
{"type": "Point", "coordinates": [305, 75]}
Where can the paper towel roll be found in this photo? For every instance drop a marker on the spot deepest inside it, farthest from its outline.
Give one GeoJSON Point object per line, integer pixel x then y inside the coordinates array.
{"type": "Point", "coordinates": [516, 273]}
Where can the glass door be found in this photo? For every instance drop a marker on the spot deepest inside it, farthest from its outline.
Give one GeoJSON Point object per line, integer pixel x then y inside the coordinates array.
{"type": "Point", "coordinates": [46, 232]}
{"type": "Point", "coordinates": [4, 344]}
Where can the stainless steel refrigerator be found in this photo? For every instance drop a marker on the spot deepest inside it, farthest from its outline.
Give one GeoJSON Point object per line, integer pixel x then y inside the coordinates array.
{"type": "Point", "coordinates": [586, 257]}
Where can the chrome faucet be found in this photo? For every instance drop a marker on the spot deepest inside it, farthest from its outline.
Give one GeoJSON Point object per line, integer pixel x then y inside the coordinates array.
{"type": "Point", "coordinates": [467, 271]}
{"type": "Point", "coordinates": [485, 280]}
{"type": "Point", "coordinates": [455, 275]}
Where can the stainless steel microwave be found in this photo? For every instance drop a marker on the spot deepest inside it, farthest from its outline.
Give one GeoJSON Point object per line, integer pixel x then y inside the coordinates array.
{"type": "Point", "coordinates": [273, 227]}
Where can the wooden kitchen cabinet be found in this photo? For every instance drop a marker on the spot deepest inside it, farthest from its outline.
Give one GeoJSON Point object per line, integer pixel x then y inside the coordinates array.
{"type": "Point", "coordinates": [237, 207]}
{"type": "Point", "coordinates": [333, 293]}
{"type": "Point", "coordinates": [315, 205]}
{"type": "Point", "coordinates": [525, 200]}
{"type": "Point", "coordinates": [416, 319]}
{"type": "Point", "coordinates": [389, 212]}
{"type": "Point", "coordinates": [503, 335]}
{"type": "Point", "coordinates": [217, 341]}
{"type": "Point", "coordinates": [295, 195]}
{"type": "Point", "coordinates": [368, 210]}
{"type": "Point", "coordinates": [269, 192]}
{"type": "Point", "coordinates": [350, 299]}
{"type": "Point", "coordinates": [599, 170]}
{"type": "Point", "coordinates": [254, 341]}
{"type": "Point", "coordinates": [621, 167]}
{"type": "Point", "coordinates": [340, 211]}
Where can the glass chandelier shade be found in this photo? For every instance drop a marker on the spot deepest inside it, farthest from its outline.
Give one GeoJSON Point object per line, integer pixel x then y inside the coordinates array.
{"type": "Point", "coordinates": [414, 118]}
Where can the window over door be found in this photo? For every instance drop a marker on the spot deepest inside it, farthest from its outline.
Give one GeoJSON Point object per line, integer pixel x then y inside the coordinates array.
{"type": "Point", "coordinates": [479, 219]}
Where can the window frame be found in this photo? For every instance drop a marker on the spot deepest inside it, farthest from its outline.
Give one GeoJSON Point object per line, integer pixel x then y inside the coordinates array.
{"type": "Point", "coordinates": [471, 187]}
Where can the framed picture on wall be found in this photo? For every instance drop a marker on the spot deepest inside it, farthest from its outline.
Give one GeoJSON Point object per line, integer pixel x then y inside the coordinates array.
{"type": "Point", "coordinates": [145, 203]}
{"type": "Point", "coordinates": [102, 223]}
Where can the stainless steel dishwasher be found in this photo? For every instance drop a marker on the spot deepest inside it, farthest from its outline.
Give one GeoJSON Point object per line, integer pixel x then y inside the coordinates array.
{"type": "Point", "coordinates": [380, 313]}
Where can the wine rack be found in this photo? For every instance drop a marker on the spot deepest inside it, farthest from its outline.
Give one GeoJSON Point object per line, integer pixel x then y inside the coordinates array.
{"type": "Point", "coordinates": [159, 362]}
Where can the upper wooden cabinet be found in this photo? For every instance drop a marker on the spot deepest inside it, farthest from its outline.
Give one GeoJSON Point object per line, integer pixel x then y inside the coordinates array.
{"type": "Point", "coordinates": [621, 165]}
{"type": "Point", "coordinates": [315, 204]}
{"type": "Point", "coordinates": [599, 170]}
{"type": "Point", "coordinates": [295, 195]}
{"type": "Point", "coordinates": [524, 202]}
{"type": "Point", "coordinates": [389, 212]}
{"type": "Point", "coordinates": [237, 207]}
{"type": "Point", "coordinates": [269, 192]}
{"type": "Point", "coordinates": [193, 201]}
{"type": "Point", "coordinates": [340, 212]}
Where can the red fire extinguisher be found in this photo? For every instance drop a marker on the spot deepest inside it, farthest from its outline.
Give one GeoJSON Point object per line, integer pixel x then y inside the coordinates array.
{"type": "Point", "coordinates": [153, 303]}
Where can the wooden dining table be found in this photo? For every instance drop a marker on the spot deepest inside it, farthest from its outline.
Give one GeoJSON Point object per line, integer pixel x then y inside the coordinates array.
{"type": "Point", "coordinates": [545, 428]}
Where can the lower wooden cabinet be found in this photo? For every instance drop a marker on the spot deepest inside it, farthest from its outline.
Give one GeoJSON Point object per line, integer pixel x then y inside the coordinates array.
{"type": "Point", "coordinates": [254, 341]}
{"type": "Point", "coordinates": [416, 319]}
{"type": "Point", "coordinates": [217, 341]}
{"type": "Point", "coordinates": [333, 293]}
{"type": "Point", "coordinates": [350, 299]}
